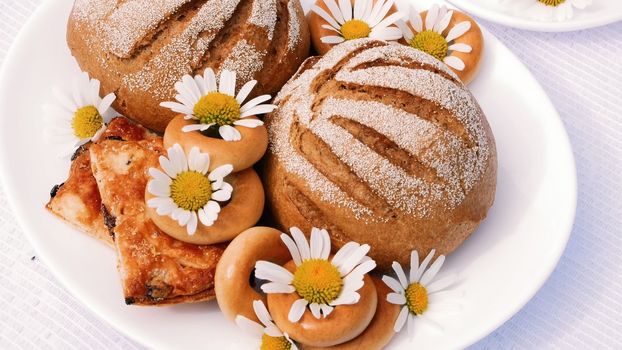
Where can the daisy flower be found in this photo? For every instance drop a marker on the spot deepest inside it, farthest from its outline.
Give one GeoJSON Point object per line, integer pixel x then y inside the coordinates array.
{"type": "Point", "coordinates": [215, 104]}
{"type": "Point", "coordinates": [428, 36]}
{"type": "Point", "coordinates": [185, 190]}
{"type": "Point", "coordinates": [550, 10]}
{"type": "Point", "coordinates": [364, 18]}
{"type": "Point", "coordinates": [420, 292]}
{"type": "Point", "coordinates": [271, 335]}
{"type": "Point", "coordinates": [79, 116]}
{"type": "Point", "coordinates": [321, 283]}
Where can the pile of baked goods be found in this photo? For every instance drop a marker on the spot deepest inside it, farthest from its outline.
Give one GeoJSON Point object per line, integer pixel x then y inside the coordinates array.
{"type": "Point", "coordinates": [371, 152]}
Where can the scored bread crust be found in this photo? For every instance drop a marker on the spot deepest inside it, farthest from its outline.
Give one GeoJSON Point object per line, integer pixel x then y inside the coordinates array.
{"type": "Point", "coordinates": [155, 268]}
{"type": "Point", "coordinates": [139, 49]}
{"type": "Point", "coordinates": [380, 144]}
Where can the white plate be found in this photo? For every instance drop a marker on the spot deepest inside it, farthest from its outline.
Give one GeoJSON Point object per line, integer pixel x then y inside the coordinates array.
{"type": "Point", "coordinates": [502, 266]}
{"type": "Point", "coordinates": [599, 13]}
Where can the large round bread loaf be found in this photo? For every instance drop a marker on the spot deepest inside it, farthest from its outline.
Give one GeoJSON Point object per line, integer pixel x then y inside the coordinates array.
{"type": "Point", "coordinates": [380, 144]}
{"type": "Point", "coordinates": [139, 49]}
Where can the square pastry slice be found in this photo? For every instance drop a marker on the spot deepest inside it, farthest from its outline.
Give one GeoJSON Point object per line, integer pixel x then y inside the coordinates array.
{"type": "Point", "coordinates": [77, 200]}
{"type": "Point", "coordinates": [155, 268]}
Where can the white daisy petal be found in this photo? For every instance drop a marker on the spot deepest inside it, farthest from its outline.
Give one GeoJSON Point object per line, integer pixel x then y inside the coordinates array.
{"type": "Point", "coordinates": [220, 172]}
{"type": "Point", "coordinates": [344, 252]}
{"type": "Point", "coordinates": [249, 123]}
{"type": "Point", "coordinates": [328, 18]}
{"type": "Point", "coordinates": [441, 283]}
{"type": "Point", "coordinates": [386, 33]}
{"type": "Point", "coordinates": [346, 9]}
{"type": "Point", "coordinates": [457, 30]}
{"type": "Point", "coordinates": [326, 309]}
{"type": "Point", "coordinates": [393, 284]}
{"type": "Point", "coordinates": [177, 107]}
{"type": "Point", "coordinates": [401, 276]}
{"type": "Point", "coordinates": [335, 11]}
{"type": "Point", "coordinates": [316, 243]}
{"type": "Point", "coordinates": [315, 310]}
{"type": "Point", "coordinates": [262, 313]}
{"type": "Point", "coordinates": [442, 24]}
{"type": "Point", "coordinates": [423, 266]}
{"type": "Point", "coordinates": [454, 62]}
{"type": "Point", "coordinates": [257, 110]}
{"type": "Point", "coordinates": [301, 243]}
{"type": "Point", "coordinates": [415, 20]}
{"type": "Point", "coordinates": [460, 47]}
{"type": "Point", "coordinates": [254, 102]}
{"type": "Point", "coordinates": [401, 319]}
{"type": "Point", "coordinates": [362, 269]}
{"type": "Point", "coordinates": [192, 224]}
{"type": "Point", "coordinates": [297, 310]}
{"type": "Point", "coordinates": [411, 324]}
{"type": "Point", "coordinates": [431, 16]}
{"type": "Point", "coordinates": [397, 299]}
{"type": "Point", "coordinates": [355, 258]}
{"type": "Point", "coordinates": [159, 188]}
{"type": "Point", "coordinates": [192, 127]}
{"type": "Point", "coordinates": [245, 91]}
{"type": "Point", "coordinates": [406, 31]}
{"type": "Point", "coordinates": [325, 245]}
{"type": "Point", "coordinates": [414, 265]}
{"type": "Point", "coordinates": [158, 175]}
{"type": "Point", "coordinates": [221, 195]}
{"type": "Point", "coordinates": [266, 270]}
{"type": "Point", "coordinates": [332, 39]}
{"type": "Point", "coordinates": [381, 20]}
{"type": "Point", "coordinates": [229, 133]}
{"type": "Point", "coordinates": [227, 82]}
{"type": "Point", "coordinates": [348, 298]}
{"type": "Point", "coordinates": [327, 27]}
{"type": "Point", "coordinates": [359, 8]}
{"type": "Point", "coordinates": [278, 288]}
{"type": "Point", "coordinates": [64, 101]}
{"type": "Point", "coordinates": [292, 247]}
{"type": "Point", "coordinates": [432, 271]}
{"type": "Point", "coordinates": [249, 326]}
{"type": "Point", "coordinates": [210, 80]}
{"type": "Point", "coordinates": [105, 103]}
{"type": "Point", "coordinates": [273, 331]}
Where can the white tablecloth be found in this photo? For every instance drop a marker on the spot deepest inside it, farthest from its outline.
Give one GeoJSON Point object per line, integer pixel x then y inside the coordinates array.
{"type": "Point", "coordinates": [579, 307]}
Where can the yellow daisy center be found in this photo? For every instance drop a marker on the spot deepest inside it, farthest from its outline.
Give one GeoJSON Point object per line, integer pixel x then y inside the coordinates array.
{"type": "Point", "coordinates": [552, 3]}
{"type": "Point", "coordinates": [317, 281]}
{"type": "Point", "coordinates": [431, 43]}
{"type": "Point", "coordinates": [86, 122]}
{"type": "Point", "coordinates": [417, 298]}
{"type": "Point", "coordinates": [274, 343]}
{"type": "Point", "coordinates": [191, 190]}
{"type": "Point", "coordinates": [217, 108]}
{"type": "Point", "coordinates": [355, 29]}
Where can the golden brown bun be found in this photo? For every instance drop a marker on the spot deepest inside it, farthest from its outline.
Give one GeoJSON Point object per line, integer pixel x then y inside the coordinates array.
{"type": "Point", "coordinates": [380, 144]}
{"type": "Point", "coordinates": [241, 212]}
{"type": "Point", "coordinates": [472, 37]}
{"type": "Point", "coordinates": [234, 294]}
{"type": "Point", "coordinates": [345, 323]}
{"type": "Point", "coordinates": [379, 332]}
{"type": "Point", "coordinates": [317, 32]}
{"type": "Point", "coordinates": [241, 154]}
{"type": "Point", "coordinates": [140, 54]}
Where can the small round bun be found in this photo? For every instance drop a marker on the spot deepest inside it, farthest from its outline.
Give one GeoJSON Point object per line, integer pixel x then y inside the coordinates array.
{"type": "Point", "coordinates": [345, 323]}
{"type": "Point", "coordinates": [381, 144]}
{"type": "Point", "coordinates": [241, 212]}
{"type": "Point", "coordinates": [234, 294]}
{"type": "Point", "coordinates": [379, 332]}
{"type": "Point", "coordinates": [241, 154]}
{"type": "Point", "coordinates": [139, 49]}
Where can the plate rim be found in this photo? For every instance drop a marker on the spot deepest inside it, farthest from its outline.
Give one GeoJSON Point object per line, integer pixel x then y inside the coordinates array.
{"type": "Point", "coordinates": [533, 25]}
{"type": "Point", "coordinates": [20, 217]}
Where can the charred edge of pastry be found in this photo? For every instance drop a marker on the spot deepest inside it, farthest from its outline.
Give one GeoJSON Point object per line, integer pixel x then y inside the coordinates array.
{"type": "Point", "coordinates": [405, 62]}
{"type": "Point", "coordinates": [158, 292]}
{"type": "Point", "coordinates": [129, 301]}
{"type": "Point", "coordinates": [109, 220]}
{"type": "Point", "coordinates": [55, 190]}
{"type": "Point", "coordinates": [115, 138]}
{"type": "Point", "coordinates": [312, 213]}
{"type": "Point", "coordinates": [79, 151]}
